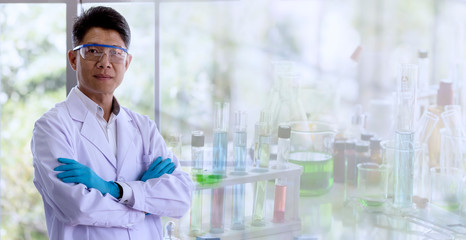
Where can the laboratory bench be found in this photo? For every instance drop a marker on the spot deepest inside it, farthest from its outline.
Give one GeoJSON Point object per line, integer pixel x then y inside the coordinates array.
{"type": "Point", "coordinates": [338, 214]}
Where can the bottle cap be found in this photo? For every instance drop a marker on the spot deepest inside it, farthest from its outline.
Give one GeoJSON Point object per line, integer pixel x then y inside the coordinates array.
{"type": "Point", "coordinates": [339, 145]}
{"type": "Point", "coordinates": [366, 136]}
{"type": "Point", "coordinates": [197, 139]}
{"type": "Point", "coordinates": [284, 131]}
{"type": "Point", "coordinates": [445, 93]}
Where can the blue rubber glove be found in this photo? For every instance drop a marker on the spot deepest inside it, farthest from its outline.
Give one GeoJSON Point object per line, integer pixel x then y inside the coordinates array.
{"type": "Point", "coordinates": [157, 168]}
{"type": "Point", "coordinates": [74, 172]}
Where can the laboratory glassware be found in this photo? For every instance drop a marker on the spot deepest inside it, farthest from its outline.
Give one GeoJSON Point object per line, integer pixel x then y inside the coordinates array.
{"type": "Point", "coordinates": [375, 152]}
{"type": "Point", "coordinates": [284, 132]}
{"type": "Point", "coordinates": [453, 122]}
{"type": "Point", "coordinates": [220, 138]}
{"type": "Point", "coordinates": [217, 210]}
{"type": "Point", "coordinates": [339, 173]}
{"type": "Point", "coordinates": [453, 150]}
{"type": "Point", "coordinates": [263, 143]}
{"type": "Point", "coordinates": [219, 164]}
{"type": "Point", "coordinates": [406, 97]}
{"type": "Point", "coordinates": [239, 145]}
{"type": "Point", "coordinates": [263, 132]}
{"type": "Point", "coordinates": [403, 169]}
{"type": "Point", "coordinates": [446, 187]}
{"type": "Point", "coordinates": [312, 148]}
{"type": "Point", "coordinates": [372, 183]}
{"type": "Point", "coordinates": [174, 143]}
{"type": "Point", "coordinates": [425, 126]}
{"type": "Point", "coordinates": [444, 98]}
{"type": "Point", "coordinates": [350, 159]}
{"type": "Point", "coordinates": [197, 153]}
{"type": "Point", "coordinates": [259, 207]}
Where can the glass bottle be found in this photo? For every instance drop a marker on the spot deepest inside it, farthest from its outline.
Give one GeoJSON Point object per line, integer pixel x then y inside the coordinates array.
{"type": "Point", "coordinates": [375, 151]}
{"type": "Point", "coordinates": [339, 161]}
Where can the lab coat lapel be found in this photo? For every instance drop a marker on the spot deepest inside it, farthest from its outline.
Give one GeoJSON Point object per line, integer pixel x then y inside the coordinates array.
{"type": "Point", "coordinates": [125, 138]}
{"type": "Point", "coordinates": [90, 127]}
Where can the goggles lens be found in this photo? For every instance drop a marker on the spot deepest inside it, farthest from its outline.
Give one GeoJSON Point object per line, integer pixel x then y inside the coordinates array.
{"type": "Point", "coordinates": [94, 52]}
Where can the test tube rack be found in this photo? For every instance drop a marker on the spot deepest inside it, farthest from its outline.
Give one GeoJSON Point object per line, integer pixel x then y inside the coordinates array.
{"type": "Point", "coordinates": [286, 230]}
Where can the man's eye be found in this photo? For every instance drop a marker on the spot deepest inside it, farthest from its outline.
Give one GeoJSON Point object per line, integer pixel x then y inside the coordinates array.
{"type": "Point", "coordinates": [92, 50]}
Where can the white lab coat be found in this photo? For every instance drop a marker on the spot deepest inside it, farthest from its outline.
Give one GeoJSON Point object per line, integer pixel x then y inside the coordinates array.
{"type": "Point", "coordinates": [72, 211]}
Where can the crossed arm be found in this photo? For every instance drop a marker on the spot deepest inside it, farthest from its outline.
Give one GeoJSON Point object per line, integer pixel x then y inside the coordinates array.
{"type": "Point", "coordinates": [75, 172]}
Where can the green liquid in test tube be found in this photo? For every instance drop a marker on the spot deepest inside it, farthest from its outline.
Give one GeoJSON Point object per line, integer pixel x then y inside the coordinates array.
{"type": "Point", "coordinates": [197, 155]}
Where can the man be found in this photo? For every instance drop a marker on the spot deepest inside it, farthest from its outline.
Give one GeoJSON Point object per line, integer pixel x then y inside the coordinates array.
{"type": "Point", "coordinates": [104, 172]}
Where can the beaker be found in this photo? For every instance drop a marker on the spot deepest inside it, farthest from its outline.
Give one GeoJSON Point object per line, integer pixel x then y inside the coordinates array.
{"type": "Point", "coordinates": [372, 183]}
{"type": "Point", "coordinates": [312, 148]}
{"type": "Point", "coordinates": [445, 187]}
{"type": "Point", "coordinates": [419, 168]}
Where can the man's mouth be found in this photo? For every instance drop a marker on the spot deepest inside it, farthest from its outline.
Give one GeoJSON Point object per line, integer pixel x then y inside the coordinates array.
{"type": "Point", "coordinates": [103, 76]}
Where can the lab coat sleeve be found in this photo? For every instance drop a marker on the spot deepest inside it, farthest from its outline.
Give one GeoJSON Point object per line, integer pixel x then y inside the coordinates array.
{"type": "Point", "coordinates": [72, 204]}
{"type": "Point", "coordinates": [168, 195]}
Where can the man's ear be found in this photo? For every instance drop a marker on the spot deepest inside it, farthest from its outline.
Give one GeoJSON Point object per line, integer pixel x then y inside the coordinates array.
{"type": "Point", "coordinates": [128, 61]}
{"type": "Point", "coordinates": [72, 58]}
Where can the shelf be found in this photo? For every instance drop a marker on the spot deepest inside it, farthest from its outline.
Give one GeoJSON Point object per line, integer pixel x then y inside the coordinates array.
{"type": "Point", "coordinates": [270, 231]}
{"type": "Point", "coordinates": [252, 175]}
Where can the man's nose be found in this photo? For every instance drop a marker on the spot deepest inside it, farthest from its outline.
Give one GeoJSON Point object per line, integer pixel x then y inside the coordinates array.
{"type": "Point", "coordinates": [104, 61]}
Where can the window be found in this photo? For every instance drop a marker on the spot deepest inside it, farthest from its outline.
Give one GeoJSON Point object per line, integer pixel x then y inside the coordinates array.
{"type": "Point", "coordinates": [32, 72]}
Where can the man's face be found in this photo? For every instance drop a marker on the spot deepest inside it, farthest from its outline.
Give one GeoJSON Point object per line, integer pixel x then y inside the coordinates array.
{"type": "Point", "coordinates": [99, 76]}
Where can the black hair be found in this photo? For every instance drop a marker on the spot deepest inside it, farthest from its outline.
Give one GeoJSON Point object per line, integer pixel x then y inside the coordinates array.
{"type": "Point", "coordinates": [103, 17]}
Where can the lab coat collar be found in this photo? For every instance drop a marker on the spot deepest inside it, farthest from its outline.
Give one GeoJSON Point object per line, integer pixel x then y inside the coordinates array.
{"type": "Point", "coordinates": [90, 128]}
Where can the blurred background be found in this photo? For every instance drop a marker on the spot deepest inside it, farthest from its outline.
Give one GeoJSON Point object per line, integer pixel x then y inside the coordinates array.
{"type": "Point", "coordinates": [189, 54]}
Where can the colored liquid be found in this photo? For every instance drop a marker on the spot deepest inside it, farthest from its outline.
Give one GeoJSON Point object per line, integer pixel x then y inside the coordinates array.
{"type": "Point", "coordinates": [317, 177]}
{"type": "Point", "coordinates": [237, 222]}
{"type": "Point", "coordinates": [258, 215]}
{"type": "Point", "coordinates": [403, 170]}
{"type": "Point", "coordinates": [279, 204]}
{"type": "Point", "coordinates": [217, 209]}
{"type": "Point", "coordinates": [263, 153]}
{"type": "Point", "coordinates": [196, 214]}
{"type": "Point", "coordinates": [239, 145]}
{"type": "Point", "coordinates": [220, 148]}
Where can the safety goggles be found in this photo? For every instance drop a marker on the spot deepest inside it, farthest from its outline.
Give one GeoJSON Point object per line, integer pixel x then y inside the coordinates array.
{"type": "Point", "coordinates": [94, 52]}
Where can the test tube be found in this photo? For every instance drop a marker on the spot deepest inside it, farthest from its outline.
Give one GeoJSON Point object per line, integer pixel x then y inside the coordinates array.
{"type": "Point", "coordinates": [425, 127]}
{"type": "Point", "coordinates": [220, 138]}
{"type": "Point", "coordinates": [239, 142]}
{"type": "Point", "coordinates": [284, 133]}
{"type": "Point", "coordinates": [239, 145]}
{"type": "Point", "coordinates": [217, 210]}
{"type": "Point", "coordinates": [406, 97]}
{"type": "Point", "coordinates": [262, 165]}
{"type": "Point", "coordinates": [453, 122]}
{"type": "Point", "coordinates": [262, 151]}
{"type": "Point", "coordinates": [197, 153]}
{"type": "Point", "coordinates": [219, 164]}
